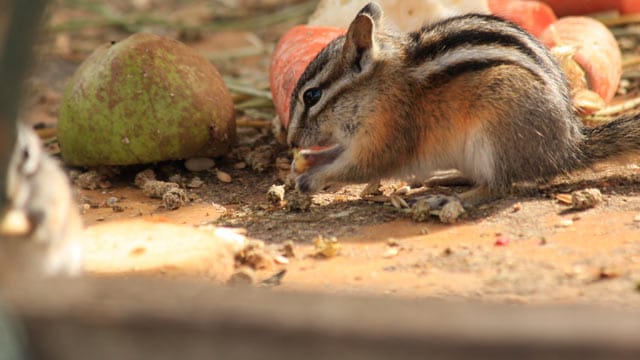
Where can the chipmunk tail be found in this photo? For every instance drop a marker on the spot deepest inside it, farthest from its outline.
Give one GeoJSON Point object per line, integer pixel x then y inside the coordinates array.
{"type": "Point", "coordinates": [619, 138]}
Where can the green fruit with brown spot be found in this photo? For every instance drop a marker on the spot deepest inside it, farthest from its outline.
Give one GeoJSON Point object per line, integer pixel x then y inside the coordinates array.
{"type": "Point", "coordinates": [145, 99]}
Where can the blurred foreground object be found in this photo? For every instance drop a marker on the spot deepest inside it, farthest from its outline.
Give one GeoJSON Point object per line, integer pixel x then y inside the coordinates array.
{"type": "Point", "coordinates": [38, 220]}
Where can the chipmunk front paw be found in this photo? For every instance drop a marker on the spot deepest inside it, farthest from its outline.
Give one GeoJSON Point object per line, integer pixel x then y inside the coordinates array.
{"type": "Point", "coordinates": [309, 183]}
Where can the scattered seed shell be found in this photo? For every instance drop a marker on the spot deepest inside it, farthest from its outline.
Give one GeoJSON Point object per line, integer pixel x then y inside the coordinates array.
{"type": "Point", "coordinates": [326, 247]}
{"type": "Point", "coordinates": [282, 260]}
{"type": "Point", "coordinates": [564, 198]}
{"type": "Point", "coordinates": [402, 191]}
{"type": "Point", "coordinates": [565, 223]}
{"type": "Point", "coordinates": [223, 176]}
{"type": "Point", "coordinates": [391, 251]}
{"type": "Point", "coordinates": [398, 202]}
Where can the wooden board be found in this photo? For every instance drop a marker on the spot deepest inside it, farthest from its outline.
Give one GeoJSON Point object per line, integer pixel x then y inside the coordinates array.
{"type": "Point", "coordinates": [136, 318]}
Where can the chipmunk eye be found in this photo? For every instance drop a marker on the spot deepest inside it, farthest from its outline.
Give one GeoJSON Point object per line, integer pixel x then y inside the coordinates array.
{"type": "Point", "coordinates": [312, 96]}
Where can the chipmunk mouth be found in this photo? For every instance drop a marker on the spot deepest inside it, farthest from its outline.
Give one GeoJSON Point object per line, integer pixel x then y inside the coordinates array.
{"type": "Point", "coordinates": [306, 159]}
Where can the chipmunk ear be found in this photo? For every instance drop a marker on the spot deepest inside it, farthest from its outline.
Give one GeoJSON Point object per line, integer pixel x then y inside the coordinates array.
{"type": "Point", "coordinates": [359, 46]}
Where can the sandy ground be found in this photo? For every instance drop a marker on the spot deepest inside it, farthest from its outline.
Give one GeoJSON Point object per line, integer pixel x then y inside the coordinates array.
{"type": "Point", "coordinates": [526, 248]}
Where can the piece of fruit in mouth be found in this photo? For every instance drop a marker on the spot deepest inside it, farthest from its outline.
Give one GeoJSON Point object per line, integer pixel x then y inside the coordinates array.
{"type": "Point", "coordinates": [305, 159]}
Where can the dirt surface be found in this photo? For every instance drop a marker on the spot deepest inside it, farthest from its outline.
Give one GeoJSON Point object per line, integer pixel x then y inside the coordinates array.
{"type": "Point", "coordinates": [526, 248]}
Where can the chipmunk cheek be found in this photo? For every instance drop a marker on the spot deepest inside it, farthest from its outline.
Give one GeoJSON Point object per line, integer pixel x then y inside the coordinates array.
{"type": "Point", "coordinates": [349, 128]}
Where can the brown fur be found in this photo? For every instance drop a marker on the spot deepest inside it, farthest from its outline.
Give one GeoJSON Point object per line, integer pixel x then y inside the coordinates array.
{"type": "Point", "coordinates": [474, 93]}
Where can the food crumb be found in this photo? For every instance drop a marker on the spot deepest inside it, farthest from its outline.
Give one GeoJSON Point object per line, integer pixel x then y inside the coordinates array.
{"type": "Point", "coordinates": [326, 247]}
{"type": "Point", "coordinates": [451, 211]}
{"type": "Point", "coordinates": [143, 176]}
{"type": "Point", "coordinates": [174, 198]}
{"type": "Point", "coordinates": [297, 201]}
{"type": "Point", "coordinates": [585, 199]}
{"type": "Point", "coordinates": [91, 180]}
{"type": "Point", "coordinates": [156, 188]}
{"type": "Point", "coordinates": [275, 194]}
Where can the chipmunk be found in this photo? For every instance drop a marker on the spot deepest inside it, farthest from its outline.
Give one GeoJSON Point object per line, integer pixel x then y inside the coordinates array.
{"type": "Point", "coordinates": [473, 92]}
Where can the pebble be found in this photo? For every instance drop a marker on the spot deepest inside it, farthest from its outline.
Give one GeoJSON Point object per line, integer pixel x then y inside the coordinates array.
{"type": "Point", "coordinates": [112, 201]}
{"type": "Point", "coordinates": [199, 164]}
